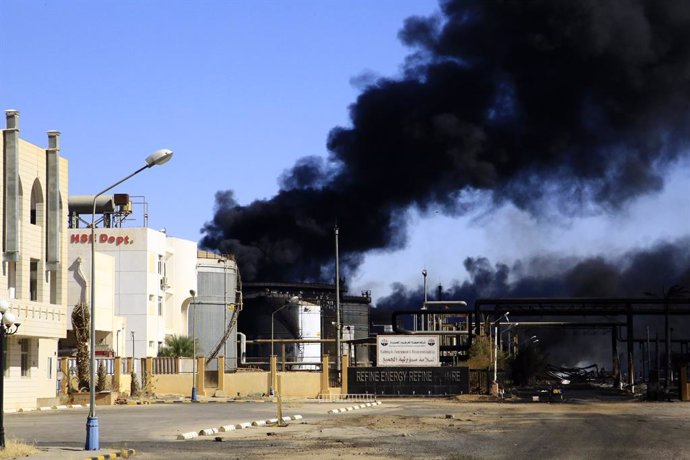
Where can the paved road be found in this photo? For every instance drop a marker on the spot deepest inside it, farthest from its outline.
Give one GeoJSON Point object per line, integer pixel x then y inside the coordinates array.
{"type": "Point", "coordinates": [415, 428]}
{"type": "Point", "coordinates": [156, 422]}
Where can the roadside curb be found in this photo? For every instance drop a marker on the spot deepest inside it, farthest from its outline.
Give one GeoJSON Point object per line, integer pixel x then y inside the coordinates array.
{"type": "Point", "coordinates": [355, 407]}
{"type": "Point", "coordinates": [127, 453]}
{"type": "Point", "coordinates": [44, 408]}
{"type": "Point", "coordinates": [234, 427]}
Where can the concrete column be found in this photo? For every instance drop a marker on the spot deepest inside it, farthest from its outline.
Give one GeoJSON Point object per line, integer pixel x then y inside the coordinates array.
{"type": "Point", "coordinates": [345, 360]}
{"type": "Point", "coordinates": [200, 373]}
{"type": "Point", "coordinates": [11, 184]}
{"type": "Point", "coordinates": [221, 373]}
{"type": "Point", "coordinates": [117, 373]}
{"type": "Point", "coordinates": [324, 374]}
{"type": "Point", "coordinates": [631, 348]}
{"type": "Point", "coordinates": [64, 383]}
{"type": "Point", "coordinates": [53, 217]}
{"type": "Point", "coordinates": [616, 370]}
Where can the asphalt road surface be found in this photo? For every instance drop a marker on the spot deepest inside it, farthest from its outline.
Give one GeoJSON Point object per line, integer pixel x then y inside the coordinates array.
{"type": "Point", "coordinates": [583, 427]}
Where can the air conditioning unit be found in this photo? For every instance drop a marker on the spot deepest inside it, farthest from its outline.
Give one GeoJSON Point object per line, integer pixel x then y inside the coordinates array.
{"type": "Point", "coordinates": [164, 283]}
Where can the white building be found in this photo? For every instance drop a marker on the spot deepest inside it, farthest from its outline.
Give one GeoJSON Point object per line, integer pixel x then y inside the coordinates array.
{"type": "Point", "coordinates": [143, 283]}
{"type": "Point", "coordinates": [34, 269]}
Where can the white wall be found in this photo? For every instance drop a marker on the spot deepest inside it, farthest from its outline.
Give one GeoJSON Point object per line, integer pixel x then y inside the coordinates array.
{"type": "Point", "coordinates": [137, 286]}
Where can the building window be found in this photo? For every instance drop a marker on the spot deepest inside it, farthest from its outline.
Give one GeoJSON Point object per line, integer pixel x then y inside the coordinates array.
{"type": "Point", "coordinates": [160, 265]}
{"type": "Point", "coordinates": [24, 354]}
{"type": "Point", "coordinates": [33, 280]}
{"type": "Point", "coordinates": [160, 306]}
{"type": "Point", "coordinates": [50, 367]}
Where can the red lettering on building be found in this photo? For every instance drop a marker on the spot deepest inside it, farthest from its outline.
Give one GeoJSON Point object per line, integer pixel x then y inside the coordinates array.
{"type": "Point", "coordinates": [84, 238]}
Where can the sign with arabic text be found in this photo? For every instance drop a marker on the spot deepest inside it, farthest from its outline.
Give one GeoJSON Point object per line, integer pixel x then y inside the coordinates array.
{"type": "Point", "coordinates": [407, 350]}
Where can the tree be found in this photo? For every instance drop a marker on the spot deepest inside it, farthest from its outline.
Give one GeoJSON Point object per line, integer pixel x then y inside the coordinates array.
{"type": "Point", "coordinates": [101, 381]}
{"type": "Point", "coordinates": [178, 345]}
{"type": "Point", "coordinates": [81, 326]}
{"type": "Point", "coordinates": [480, 353]}
{"type": "Point", "coordinates": [134, 387]}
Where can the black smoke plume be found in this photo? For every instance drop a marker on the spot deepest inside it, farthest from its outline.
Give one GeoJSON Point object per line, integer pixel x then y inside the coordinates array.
{"type": "Point", "coordinates": [636, 273]}
{"type": "Point", "coordinates": [580, 104]}
{"type": "Point", "coordinates": [660, 271]}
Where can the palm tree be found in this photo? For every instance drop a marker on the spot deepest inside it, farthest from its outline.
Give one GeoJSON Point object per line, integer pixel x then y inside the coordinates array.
{"type": "Point", "coordinates": [177, 345]}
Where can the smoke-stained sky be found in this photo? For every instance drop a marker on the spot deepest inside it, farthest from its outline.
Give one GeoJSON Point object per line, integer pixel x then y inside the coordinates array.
{"type": "Point", "coordinates": [565, 109]}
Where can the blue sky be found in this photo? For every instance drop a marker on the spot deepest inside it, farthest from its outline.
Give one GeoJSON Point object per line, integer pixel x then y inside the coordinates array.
{"type": "Point", "coordinates": [240, 90]}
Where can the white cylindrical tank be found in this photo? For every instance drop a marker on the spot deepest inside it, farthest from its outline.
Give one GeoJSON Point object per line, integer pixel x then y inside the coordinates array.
{"type": "Point", "coordinates": [309, 327]}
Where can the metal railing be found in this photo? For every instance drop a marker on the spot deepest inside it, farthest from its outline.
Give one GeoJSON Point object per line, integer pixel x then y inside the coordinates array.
{"type": "Point", "coordinates": [348, 397]}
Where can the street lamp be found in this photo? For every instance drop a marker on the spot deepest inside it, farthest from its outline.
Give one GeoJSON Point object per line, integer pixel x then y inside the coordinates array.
{"type": "Point", "coordinates": [156, 158]}
{"type": "Point", "coordinates": [495, 324]}
{"type": "Point", "coordinates": [192, 292]}
{"type": "Point", "coordinates": [8, 326]}
{"type": "Point", "coordinates": [292, 300]}
{"type": "Point", "coordinates": [510, 341]}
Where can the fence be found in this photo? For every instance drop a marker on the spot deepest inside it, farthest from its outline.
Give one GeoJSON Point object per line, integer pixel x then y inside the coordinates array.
{"type": "Point", "coordinates": [108, 363]}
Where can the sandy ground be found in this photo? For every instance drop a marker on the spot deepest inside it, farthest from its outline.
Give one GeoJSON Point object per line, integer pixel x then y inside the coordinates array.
{"type": "Point", "coordinates": [456, 429]}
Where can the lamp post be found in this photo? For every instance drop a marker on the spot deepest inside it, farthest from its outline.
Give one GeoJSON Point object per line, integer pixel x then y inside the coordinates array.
{"type": "Point", "coordinates": [495, 324]}
{"type": "Point", "coordinates": [192, 292]}
{"type": "Point", "coordinates": [132, 332]}
{"type": "Point", "coordinates": [510, 343]}
{"type": "Point", "coordinates": [292, 300]}
{"type": "Point", "coordinates": [8, 326]}
{"type": "Point", "coordinates": [156, 158]}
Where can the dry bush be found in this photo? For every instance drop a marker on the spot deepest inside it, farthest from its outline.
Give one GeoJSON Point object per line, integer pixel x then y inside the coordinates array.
{"type": "Point", "coordinates": [16, 449]}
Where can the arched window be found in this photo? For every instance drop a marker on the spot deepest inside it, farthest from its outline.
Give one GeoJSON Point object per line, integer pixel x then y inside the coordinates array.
{"type": "Point", "coordinates": [36, 211]}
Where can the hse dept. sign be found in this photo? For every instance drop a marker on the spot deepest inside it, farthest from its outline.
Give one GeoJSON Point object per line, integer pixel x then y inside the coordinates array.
{"type": "Point", "coordinates": [407, 350]}
{"type": "Point", "coordinates": [83, 238]}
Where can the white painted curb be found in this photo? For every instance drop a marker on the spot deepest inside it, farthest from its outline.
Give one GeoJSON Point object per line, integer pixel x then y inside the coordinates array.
{"type": "Point", "coordinates": [259, 423]}
{"type": "Point", "coordinates": [244, 425]}
{"type": "Point", "coordinates": [189, 435]}
{"type": "Point", "coordinates": [208, 431]}
{"type": "Point", "coordinates": [227, 428]}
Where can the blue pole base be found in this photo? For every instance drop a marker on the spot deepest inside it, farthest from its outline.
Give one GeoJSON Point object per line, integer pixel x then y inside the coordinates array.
{"type": "Point", "coordinates": [91, 433]}
{"type": "Point", "coordinates": [194, 394]}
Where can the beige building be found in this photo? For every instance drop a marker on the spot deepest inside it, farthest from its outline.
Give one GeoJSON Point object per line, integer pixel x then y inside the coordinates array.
{"type": "Point", "coordinates": [34, 272]}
